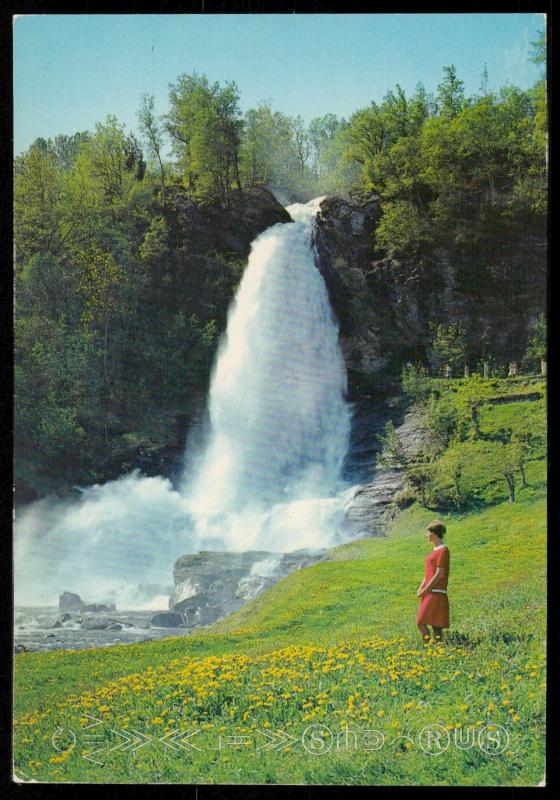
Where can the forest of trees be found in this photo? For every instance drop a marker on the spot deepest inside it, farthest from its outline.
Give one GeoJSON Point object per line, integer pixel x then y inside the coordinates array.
{"type": "Point", "coordinates": [117, 323]}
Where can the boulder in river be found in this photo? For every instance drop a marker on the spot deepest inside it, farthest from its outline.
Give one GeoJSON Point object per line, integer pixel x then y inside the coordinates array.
{"type": "Point", "coordinates": [167, 619]}
{"type": "Point", "coordinates": [68, 601]}
{"type": "Point", "coordinates": [96, 623]}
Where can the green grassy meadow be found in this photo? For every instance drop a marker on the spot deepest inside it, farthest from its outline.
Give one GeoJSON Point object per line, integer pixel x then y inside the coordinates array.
{"type": "Point", "coordinates": [323, 679]}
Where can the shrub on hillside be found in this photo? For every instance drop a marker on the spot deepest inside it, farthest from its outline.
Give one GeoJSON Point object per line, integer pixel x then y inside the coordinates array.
{"type": "Point", "coordinates": [416, 382]}
{"type": "Point", "coordinates": [443, 422]}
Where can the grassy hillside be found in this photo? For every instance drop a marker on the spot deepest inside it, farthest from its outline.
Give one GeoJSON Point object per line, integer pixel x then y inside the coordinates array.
{"type": "Point", "coordinates": [332, 645]}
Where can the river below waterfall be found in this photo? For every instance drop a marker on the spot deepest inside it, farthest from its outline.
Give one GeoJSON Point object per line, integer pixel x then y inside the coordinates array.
{"type": "Point", "coordinates": [34, 630]}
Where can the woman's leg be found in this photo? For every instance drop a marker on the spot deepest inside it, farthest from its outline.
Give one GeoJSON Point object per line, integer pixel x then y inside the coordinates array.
{"type": "Point", "coordinates": [438, 633]}
{"type": "Point", "coordinates": [423, 630]}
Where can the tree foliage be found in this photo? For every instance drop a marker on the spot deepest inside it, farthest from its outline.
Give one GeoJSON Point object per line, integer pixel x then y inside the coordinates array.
{"type": "Point", "coordinates": [448, 346]}
{"type": "Point", "coordinates": [537, 342]}
{"type": "Point", "coordinates": [205, 125]}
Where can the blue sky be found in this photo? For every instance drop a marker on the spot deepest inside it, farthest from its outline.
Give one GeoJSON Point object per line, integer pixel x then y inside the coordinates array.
{"type": "Point", "coordinates": [70, 71]}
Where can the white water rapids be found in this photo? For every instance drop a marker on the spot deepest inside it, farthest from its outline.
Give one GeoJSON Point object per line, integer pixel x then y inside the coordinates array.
{"type": "Point", "coordinates": [268, 477]}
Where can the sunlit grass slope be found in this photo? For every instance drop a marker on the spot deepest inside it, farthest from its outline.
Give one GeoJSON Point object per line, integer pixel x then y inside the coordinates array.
{"type": "Point", "coordinates": [332, 645]}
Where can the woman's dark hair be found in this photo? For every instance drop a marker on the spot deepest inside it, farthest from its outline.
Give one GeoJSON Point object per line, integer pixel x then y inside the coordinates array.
{"type": "Point", "coordinates": [437, 527]}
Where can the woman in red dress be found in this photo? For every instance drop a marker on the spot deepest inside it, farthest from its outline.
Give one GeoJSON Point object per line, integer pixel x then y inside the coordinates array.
{"type": "Point", "coordinates": [434, 605]}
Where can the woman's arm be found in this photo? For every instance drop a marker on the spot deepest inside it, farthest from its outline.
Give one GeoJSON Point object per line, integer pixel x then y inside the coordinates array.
{"type": "Point", "coordinates": [438, 575]}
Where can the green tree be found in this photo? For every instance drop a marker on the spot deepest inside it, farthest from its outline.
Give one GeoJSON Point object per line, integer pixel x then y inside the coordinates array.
{"type": "Point", "coordinates": [110, 157]}
{"type": "Point", "coordinates": [471, 394]}
{"type": "Point", "coordinates": [522, 448]}
{"type": "Point", "coordinates": [268, 155]}
{"type": "Point", "coordinates": [366, 138]}
{"type": "Point", "coordinates": [508, 463]}
{"type": "Point", "coordinates": [205, 124]}
{"type": "Point", "coordinates": [301, 143]}
{"type": "Point", "coordinates": [450, 470]}
{"type": "Point", "coordinates": [442, 422]}
{"type": "Point", "coordinates": [538, 50]}
{"type": "Point", "coordinates": [393, 454]}
{"type": "Point", "coordinates": [322, 132]}
{"type": "Point", "coordinates": [38, 206]}
{"type": "Point", "coordinates": [451, 95]}
{"type": "Point", "coordinates": [416, 382]}
{"type": "Point", "coordinates": [419, 478]}
{"type": "Point", "coordinates": [101, 279]}
{"type": "Point", "coordinates": [448, 346]}
{"type": "Point", "coordinates": [402, 230]}
{"type": "Point", "coordinates": [154, 246]}
{"type": "Point", "coordinates": [536, 344]}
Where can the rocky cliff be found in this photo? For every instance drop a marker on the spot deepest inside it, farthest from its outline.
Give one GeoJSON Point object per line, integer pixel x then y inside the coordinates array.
{"type": "Point", "coordinates": [204, 228]}
{"type": "Point", "coordinates": [384, 307]}
{"type": "Point", "coordinates": [209, 585]}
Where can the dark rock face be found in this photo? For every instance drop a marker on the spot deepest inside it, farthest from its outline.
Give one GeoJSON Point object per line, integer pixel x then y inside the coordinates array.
{"type": "Point", "coordinates": [209, 585]}
{"type": "Point", "coordinates": [384, 307]}
{"type": "Point", "coordinates": [233, 229]}
{"type": "Point", "coordinates": [369, 510]}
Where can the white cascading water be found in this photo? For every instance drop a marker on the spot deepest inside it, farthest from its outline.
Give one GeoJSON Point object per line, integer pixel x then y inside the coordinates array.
{"type": "Point", "coordinates": [269, 476]}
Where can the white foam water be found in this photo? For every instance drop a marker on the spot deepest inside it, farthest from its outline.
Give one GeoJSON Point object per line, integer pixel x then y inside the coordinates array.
{"type": "Point", "coordinates": [268, 477]}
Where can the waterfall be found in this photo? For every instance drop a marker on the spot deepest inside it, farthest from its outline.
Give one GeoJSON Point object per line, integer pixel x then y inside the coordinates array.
{"type": "Point", "coordinates": [279, 420]}
{"type": "Point", "coordinates": [268, 476]}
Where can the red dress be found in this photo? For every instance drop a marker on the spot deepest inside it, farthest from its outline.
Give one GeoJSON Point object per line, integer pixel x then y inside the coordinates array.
{"type": "Point", "coordinates": [434, 606]}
